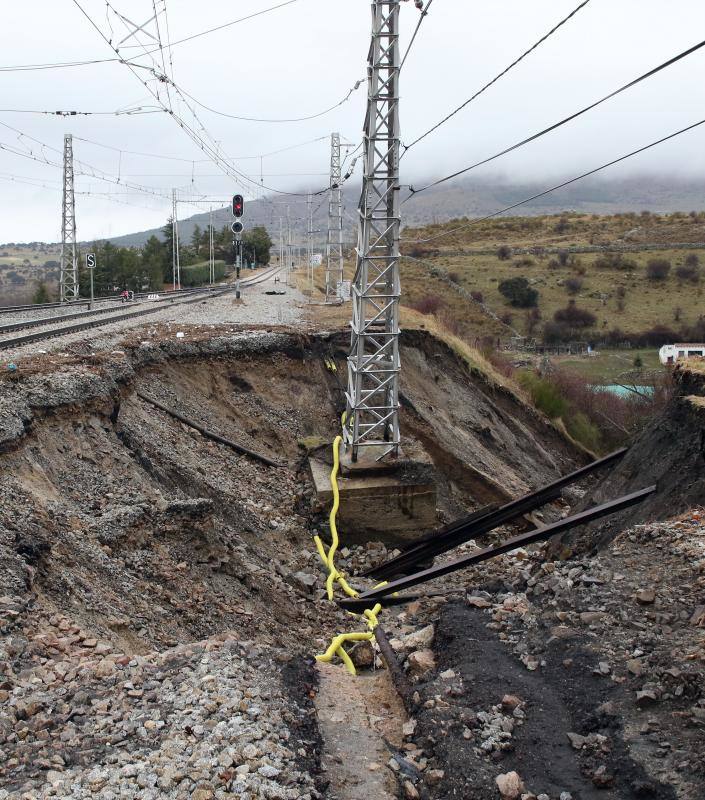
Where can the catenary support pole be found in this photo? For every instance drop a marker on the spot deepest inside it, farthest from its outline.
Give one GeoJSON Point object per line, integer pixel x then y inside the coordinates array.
{"type": "Point", "coordinates": [372, 418]}
{"type": "Point", "coordinates": [175, 265]}
{"type": "Point", "coordinates": [68, 274]}
{"type": "Point", "coordinates": [211, 247]}
{"type": "Point", "coordinates": [334, 243]}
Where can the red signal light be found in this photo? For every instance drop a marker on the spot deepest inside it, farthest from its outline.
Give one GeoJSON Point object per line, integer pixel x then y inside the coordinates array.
{"type": "Point", "coordinates": [238, 205]}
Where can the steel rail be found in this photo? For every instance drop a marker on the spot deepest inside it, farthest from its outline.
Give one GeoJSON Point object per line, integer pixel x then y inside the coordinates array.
{"type": "Point", "coordinates": [523, 540]}
{"type": "Point", "coordinates": [111, 299]}
{"type": "Point", "coordinates": [17, 341]}
{"type": "Point", "coordinates": [471, 527]}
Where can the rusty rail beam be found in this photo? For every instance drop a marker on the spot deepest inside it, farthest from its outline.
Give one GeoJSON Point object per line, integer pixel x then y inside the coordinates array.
{"type": "Point", "coordinates": [524, 539]}
{"type": "Point", "coordinates": [239, 448]}
{"type": "Point", "coordinates": [471, 527]}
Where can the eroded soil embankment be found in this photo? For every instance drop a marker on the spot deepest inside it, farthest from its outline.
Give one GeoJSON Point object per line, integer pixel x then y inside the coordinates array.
{"type": "Point", "coordinates": [125, 537]}
{"type": "Point", "coordinates": [669, 453]}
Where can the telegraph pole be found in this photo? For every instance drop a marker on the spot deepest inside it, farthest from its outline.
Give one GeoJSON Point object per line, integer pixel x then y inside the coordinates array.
{"type": "Point", "coordinates": [372, 418]}
{"type": "Point", "coordinates": [176, 265]}
{"type": "Point", "coordinates": [334, 243]}
{"type": "Point", "coordinates": [211, 247]}
{"type": "Point", "coordinates": [68, 275]}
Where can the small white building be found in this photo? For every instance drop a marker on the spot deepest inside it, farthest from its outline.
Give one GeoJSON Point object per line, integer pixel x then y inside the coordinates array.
{"type": "Point", "coordinates": [671, 353]}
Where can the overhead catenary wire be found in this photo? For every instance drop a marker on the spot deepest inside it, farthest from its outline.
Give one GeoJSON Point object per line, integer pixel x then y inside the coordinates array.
{"type": "Point", "coordinates": [561, 122]}
{"type": "Point", "coordinates": [424, 12]}
{"type": "Point", "coordinates": [209, 149]}
{"type": "Point", "coordinates": [559, 186]}
{"type": "Point", "coordinates": [242, 118]}
{"type": "Point", "coordinates": [497, 77]}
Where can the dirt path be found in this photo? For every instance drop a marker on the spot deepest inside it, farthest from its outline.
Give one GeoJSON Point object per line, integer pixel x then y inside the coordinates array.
{"type": "Point", "coordinates": [356, 715]}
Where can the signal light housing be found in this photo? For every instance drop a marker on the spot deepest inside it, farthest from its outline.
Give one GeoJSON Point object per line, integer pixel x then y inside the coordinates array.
{"type": "Point", "coordinates": [238, 206]}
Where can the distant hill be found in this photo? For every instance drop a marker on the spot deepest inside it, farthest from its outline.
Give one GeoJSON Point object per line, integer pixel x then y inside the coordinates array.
{"type": "Point", "coordinates": [471, 198]}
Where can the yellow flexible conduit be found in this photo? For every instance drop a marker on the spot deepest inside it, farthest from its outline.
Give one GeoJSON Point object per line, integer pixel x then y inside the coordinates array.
{"type": "Point", "coordinates": [334, 576]}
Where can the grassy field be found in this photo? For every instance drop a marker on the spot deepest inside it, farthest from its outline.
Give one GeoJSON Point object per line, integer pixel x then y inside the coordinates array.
{"type": "Point", "coordinates": [608, 365]}
{"type": "Point", "coordinates": [646, 303]}
{"type": "Point", "coordinates": [643, 303]}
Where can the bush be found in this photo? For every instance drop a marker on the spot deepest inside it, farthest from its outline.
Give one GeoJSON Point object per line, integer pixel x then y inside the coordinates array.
{"type": "Point", "coordinates": [563, 257]}
{"type": "Point", "coordinates": [575, 317]}
{"type": "Point", "coordinates": [519, 293]}
{"type": "Point", "coordinates": [525, 262]}
{"type": "Point", "coordinates": [555, 333]}
{"type": "Point", "coordinates": [429, 304]}
{"type": "Point", "coordinates": [477, 297]}
{"type": "Point", "coordinates": [504, 252]}
{"type": "Point", "coordinates": [573, 285]}
{"type": "Point", "coordinates": [553, 263]}
{"type": "Point", "coordinates": [199, 275]}
{"type": "Point", "coordinates": [454, 277]}
{"type": "Point", "coordinates": [657, 269]}
{"type": "Point", "coordinates": [544, 395]}
{"type": "Point", "coordinates": [688, 272]}
{"type": "Point", "coordinates": [692, 260]}
{"type": "Point", "coordinates": [615, 261]}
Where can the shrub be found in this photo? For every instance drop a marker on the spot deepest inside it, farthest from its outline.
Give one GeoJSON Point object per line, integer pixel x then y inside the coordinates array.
{"type": "Point", "coordinates": [575, 317]}
{"type": "Point", "coordinates": [573, 285]}
{"type": "Point", "coordinates": [507, 318]}
{"type": "Point", "coordinates": [519, 293]}
{"type": "Point", "coordinates": [657, 269]}
{"type": "Point", "coordinates": [454, 277]}
{"type": "Point", "coordinates": [688, 272]}
{"type": "Point", "coordinates": [692, 260]}
{"type": "Point", "coordinates": [533, 317]}
{"type": "Point", "coordinates": [615, 261]}
{"type": "Point", "coordinates": [553, 264]}
{"type": "Point", "coordinates": [504, 252]}
{"type": "Point", "coordinates": [477, 297]}
{"type": "Point", "coordinates": [563, 257]}
{"type": "Point", "coordinates": [562, 225]}
{"type": "Point", "coordinates": [544, 395]}
{"type": "Point", "coordinates": [429, 304]}
{"type": "Point", "coordinates": [555, 332]}
{"type": "Point", "coordinates": [525, 262]}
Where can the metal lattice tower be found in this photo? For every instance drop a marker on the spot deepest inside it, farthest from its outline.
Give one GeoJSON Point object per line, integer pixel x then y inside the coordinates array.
{"type": "Point", "coordinates": [373, 363]}
{"type": "Point", "coordinates": [334, 244]}
{"type": "Point", "coordinates": [68, 276]}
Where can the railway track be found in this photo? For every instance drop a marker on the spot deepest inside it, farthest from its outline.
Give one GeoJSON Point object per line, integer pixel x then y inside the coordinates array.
{"type": "Point", "coordinates": [87, 324]}
{"type": "Point", "coordinates": [84, 302]}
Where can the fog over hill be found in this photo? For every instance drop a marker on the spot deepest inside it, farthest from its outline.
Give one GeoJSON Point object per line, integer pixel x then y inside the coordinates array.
{"type": "Point", "coordinates": [469, 198]}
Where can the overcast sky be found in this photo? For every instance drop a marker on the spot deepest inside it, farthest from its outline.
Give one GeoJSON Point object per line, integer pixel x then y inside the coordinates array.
{"type": "Point", "coordinates": [305, 57]}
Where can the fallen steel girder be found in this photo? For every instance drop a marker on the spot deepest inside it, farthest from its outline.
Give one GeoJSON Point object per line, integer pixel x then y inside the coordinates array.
{"type": "Point", "coordinates": [476, 524]}
{"type": "Point", "coordinates": [538, 535]}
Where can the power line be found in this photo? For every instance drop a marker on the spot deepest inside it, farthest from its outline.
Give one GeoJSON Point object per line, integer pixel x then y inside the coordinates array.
{"type": "Point", "coordinates": [271, 119]}
{"type": "Point", "coordinates": [560, 185]}
{"type": "Point", "coordinates": [424, 12]}
{"type": "Point", "coordinates": [137, 111]}
{"type": "Point", "coordinates": [564, 121]}
{"type": "Point", "coordinates": [90, 62]}
{"type": "Point", "coordinates": [497, 77]}
{"type": "Point", "coordinates": [225, 25]}
{"type": "Point", "coordinates": [212, 150]}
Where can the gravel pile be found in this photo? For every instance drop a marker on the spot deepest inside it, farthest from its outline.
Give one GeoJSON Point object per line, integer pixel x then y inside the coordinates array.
{"type": "Point", "coordinates": [595, 667]}
{"type": "Point", "coordinates": [205, 720]}
{"type": "Point", "coordinates": [254, 307]}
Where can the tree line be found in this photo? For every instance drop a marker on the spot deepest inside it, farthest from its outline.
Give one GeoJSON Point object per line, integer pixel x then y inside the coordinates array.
{"type": "Point", "coordinates": [150, 267]}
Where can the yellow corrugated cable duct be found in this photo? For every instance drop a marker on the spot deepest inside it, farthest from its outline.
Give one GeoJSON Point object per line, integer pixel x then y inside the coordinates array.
{"type": "Point", "coordinates": [334, 576]}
